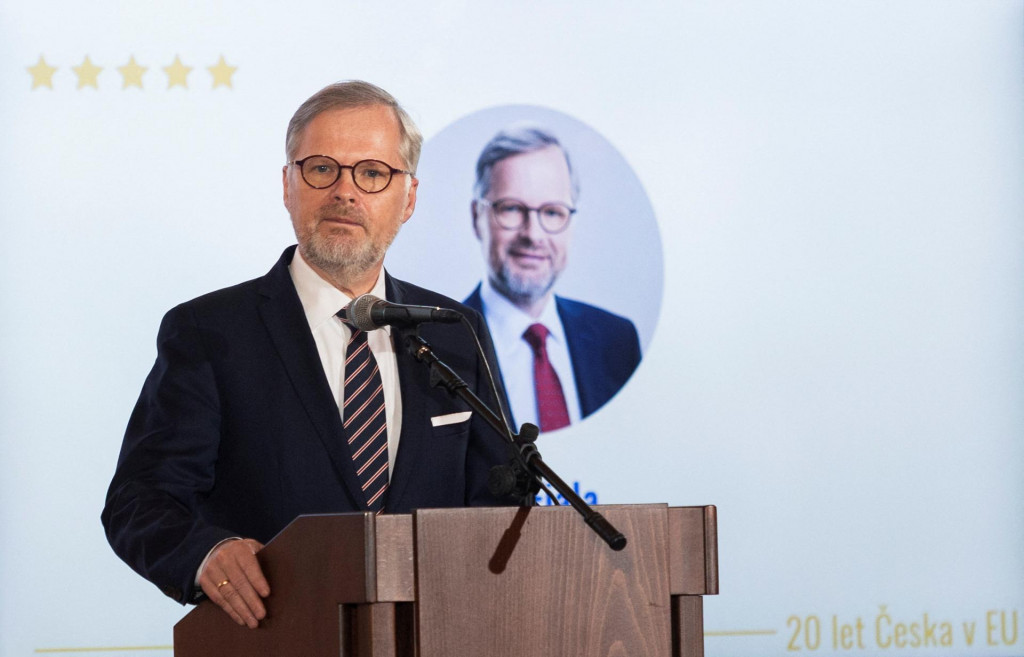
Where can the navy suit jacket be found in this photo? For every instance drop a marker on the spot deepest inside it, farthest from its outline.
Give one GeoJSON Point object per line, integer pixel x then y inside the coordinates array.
{"type": "Point", "coordinates": [603, 347]}
{"type": "Point", "coordinates": [236, 431]}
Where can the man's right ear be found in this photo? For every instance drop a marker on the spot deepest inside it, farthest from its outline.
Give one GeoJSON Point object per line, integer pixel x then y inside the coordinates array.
{"type": "Point", "coordinates": [474, 212]}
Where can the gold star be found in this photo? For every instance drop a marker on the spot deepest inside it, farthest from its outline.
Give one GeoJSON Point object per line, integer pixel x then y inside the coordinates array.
{"type": "Point", "coordinates": [42, 73]}
{"type": "Point", "coordinates": [87, 73]}
{"type": "Point", "coordinates": [222, 73]}
{"type": "Point", "coordinates": [177, 73]}
{"type": "Point", "coordinates": [132, 74]}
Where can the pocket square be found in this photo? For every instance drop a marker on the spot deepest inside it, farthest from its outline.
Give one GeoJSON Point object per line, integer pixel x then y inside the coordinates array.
{"type": "Point", "coordinates": [451, 418]}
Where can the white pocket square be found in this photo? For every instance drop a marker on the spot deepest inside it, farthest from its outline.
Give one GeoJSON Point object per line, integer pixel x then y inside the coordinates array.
{"type": "Point", "coordinates": [451, 418]}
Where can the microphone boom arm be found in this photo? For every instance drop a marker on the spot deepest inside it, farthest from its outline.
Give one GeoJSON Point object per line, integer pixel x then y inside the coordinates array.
{"type": "Point", "coordinates": [525, 452]}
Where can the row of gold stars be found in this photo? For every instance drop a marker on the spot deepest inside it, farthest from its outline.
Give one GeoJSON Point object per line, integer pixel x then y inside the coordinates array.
{"type": "Point", "coordinates": [131, 73]}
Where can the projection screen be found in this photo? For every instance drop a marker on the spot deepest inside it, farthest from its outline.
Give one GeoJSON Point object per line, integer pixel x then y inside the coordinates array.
{"type": "Point", "coordinates": [812, 210]}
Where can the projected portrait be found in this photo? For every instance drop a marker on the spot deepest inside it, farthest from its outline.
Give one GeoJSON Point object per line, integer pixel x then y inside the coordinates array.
{"type": "Point", "coordinates": [561, 258]}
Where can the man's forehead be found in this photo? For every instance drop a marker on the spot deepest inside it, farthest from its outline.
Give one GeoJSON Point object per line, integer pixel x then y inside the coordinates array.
{"type": "Point", "coordinates": [550, 152]}
{"type": "Point", "coordinates": [544, 168]}
{"type": "Point", "coordinates": [370, 127]}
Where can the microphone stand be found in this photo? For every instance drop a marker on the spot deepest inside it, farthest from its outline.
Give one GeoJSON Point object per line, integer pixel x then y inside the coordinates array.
{"type": "Point", "coordinates": [523, 475]}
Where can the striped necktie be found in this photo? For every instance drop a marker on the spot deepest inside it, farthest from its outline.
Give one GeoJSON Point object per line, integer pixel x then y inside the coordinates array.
{"type": "Point", "coordinates": [552, 412]}
{"type": "Point", "coordinates": [365, 421]}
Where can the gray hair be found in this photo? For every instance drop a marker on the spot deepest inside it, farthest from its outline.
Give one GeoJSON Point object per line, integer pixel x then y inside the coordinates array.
{"type": "Point", "coordinates": [351, 94]}
{"type": "Point", "coordinates": [515, 140]}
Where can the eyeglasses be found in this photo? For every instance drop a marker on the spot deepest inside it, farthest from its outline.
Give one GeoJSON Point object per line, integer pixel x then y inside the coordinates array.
{"type": "Point", "coordinates": [512, 214]}
{"type": "Point", "coordinates": [371, 176]}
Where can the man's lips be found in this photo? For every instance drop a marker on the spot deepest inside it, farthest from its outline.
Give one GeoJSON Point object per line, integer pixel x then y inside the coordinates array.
{"type": "Point", "coordinates": [334, 216]}
{"type": "Point", "coordinates": [349, 221]}
{"type": "Point", "coordinates": [528, 257]}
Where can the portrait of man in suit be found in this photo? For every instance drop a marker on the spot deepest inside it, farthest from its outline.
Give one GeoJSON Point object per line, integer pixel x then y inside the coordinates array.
{"type": "Point", "coordinates": [264, 403]}
{"type": "Point", "coordinates": [560, 359]}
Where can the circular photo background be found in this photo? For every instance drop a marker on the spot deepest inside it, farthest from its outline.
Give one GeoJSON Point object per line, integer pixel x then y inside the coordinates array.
{"type": "Point", "coordinates": [615, 259]}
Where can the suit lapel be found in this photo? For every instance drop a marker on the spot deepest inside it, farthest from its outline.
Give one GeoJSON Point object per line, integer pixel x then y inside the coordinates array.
{"type": "Point", "coordinates": [476, 302]}
{"type": "Point", "coordinates": [582, 342]}
{"type": "Point", "coordinates": [285, 321]}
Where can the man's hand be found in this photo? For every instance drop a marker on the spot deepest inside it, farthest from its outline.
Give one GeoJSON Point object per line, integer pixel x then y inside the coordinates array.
{"type": "Point", "coordinates": [233, 580]}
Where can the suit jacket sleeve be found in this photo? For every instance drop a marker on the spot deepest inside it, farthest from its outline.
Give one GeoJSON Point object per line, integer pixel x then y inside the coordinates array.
{"type": "Point", "coordinates": [166, 464]}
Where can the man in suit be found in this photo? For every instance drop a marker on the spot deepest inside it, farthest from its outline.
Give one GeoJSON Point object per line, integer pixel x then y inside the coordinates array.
{"type": "Point", "coordinates": [263, 404]}
{"type": "Point", "coordinates": [560, 359]}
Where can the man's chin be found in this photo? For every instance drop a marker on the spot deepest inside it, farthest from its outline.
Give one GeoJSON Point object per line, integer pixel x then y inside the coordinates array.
{"type": "Point", "coordinates": [333, 255]}
{"type": "Point", "coordinates": [523, 289]}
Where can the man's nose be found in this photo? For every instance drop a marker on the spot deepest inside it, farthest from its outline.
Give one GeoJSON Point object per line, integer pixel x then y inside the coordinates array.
{"type": "Point", "coordinates": [344, 187]}
{"type": "Point", "coordinates": [531, 228]}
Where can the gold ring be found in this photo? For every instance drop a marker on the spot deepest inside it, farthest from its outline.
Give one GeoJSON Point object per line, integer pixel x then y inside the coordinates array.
{"type": "Point", "coordinates": [222, 584]}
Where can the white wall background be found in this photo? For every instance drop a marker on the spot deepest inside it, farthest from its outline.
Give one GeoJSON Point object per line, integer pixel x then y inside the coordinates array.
{"type": "Point", "coordinates": [837, 365]}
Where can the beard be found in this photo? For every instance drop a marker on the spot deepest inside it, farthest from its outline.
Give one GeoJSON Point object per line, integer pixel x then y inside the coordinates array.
{"type": "Point", "coordinates": [338, 250]}
{"type": "Point", "coordinates": [521, 287]}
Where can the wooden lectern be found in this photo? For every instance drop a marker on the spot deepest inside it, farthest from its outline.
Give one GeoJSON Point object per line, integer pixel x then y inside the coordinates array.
{"type": "Point", "coordinates": [476, 582]}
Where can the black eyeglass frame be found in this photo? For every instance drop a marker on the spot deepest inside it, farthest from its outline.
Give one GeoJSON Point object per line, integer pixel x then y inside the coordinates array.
{"type": "Point", "coordinates": [352, 172]}
{"type": "Point", "coordinates": [526, 218]}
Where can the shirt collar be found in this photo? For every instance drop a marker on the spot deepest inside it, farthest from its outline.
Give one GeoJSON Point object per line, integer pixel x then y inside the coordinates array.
{"type": "Point", "coordinates": [320, 300]}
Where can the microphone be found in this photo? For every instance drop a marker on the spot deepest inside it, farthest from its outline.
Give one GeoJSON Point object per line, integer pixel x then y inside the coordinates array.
{"type": "Point", "coordinates": [368, 313]}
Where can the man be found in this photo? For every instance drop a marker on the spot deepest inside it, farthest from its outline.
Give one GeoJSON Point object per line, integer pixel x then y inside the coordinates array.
{"type": "Point", "coordinates": [264, 405]}
{"type": "Point", "coordinates": [560, 359]}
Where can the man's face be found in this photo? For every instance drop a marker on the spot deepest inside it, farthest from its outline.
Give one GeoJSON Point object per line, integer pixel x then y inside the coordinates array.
{"type": "Point", "coordinates": [342, 228]}
{"type": "Point", "coordinates": [524, 263]}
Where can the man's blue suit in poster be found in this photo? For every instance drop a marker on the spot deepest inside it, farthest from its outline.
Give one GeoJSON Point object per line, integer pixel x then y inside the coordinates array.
{"type": "Point", "coordinates": [604, 348]}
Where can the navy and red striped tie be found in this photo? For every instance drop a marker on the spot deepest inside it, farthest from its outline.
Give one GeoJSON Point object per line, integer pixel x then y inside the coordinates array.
{"type": "Point", "coordinates": [365, 421]}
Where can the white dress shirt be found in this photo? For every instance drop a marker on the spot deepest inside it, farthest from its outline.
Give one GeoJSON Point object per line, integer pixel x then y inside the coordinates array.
{"type": "Point", "coordinates": [321, 302]}
{"type": "Point", "coordinates": [507, 324]}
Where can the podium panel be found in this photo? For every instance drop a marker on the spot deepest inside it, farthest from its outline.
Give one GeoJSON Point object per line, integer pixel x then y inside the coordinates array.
{"type": "Point", "coordinates": [492, 581]}
{"type": "Point", "coordinates": [538, 581]}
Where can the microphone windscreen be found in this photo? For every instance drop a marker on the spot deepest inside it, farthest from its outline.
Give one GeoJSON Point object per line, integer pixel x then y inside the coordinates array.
{"type": "Point", "coordinates": [360, 312]}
